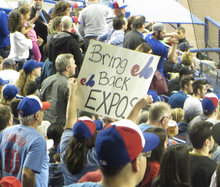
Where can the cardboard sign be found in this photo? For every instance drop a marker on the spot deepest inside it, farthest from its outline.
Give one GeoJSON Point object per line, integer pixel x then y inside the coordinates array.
{"type": "Point", "coordinates": [112, 79]}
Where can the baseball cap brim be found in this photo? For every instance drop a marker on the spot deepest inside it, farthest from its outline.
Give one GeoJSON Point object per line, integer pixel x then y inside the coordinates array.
{"type": "Point", "coordinates": [81, 6]}
{"type": "Point", "coordinates": [123, 6]}
{"type": "Point", "coordinates": [5, 82]}
{"type": "Point", "coordinates": [39, 64]}
{"type": "Point", "coordinates": [45, 106]}
{"type": "Point", "coordinates": [151, 141]}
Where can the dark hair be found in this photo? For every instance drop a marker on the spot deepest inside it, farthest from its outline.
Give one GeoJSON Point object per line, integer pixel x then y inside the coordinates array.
{"type": "Point", "coordinates": [138, 21]}
{"type": "Point", "coordinates": [14, 106]}
{"type": "Point", "coordinates": [156, 154]}
{"type": "Point", "coordinates": [5, 116]}
{"type": "Point", "coordinates": [174, 167]}
{"type": "Point", "coordinates": [111, 171]}
{"type": "Point", "coordinates": [198, 84]}
{"type": "Point", "coordinates": [181, 29]}
{"type": "Point", "coordinates": [59, 8]}
{"type": "Point", "coordinates": [199, 132]}
{"type": "Point", "coordinates": [118, 21]}
{"type": "Point", "coordinates": [54, 131]}
{"type": "Point", "coordinates": [144, 47]}
{"type": "Point", "coordinates": [24, 10]}
{"type": "Point", "coordinates": [130, 19]}
{"type": "Point", "coordinates": [14, 21]}
{"type": "Point", "coordinates": [185, 80]}
{"type": "Point", "coordinates": [76, 153]}
{"type": "Point", "coordinates": [31, 87]}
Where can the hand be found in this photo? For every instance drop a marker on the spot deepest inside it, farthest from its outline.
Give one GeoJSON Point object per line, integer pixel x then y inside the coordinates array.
{"type": "Point", "coordinates": [176, 130]}
{"type": "Point", "coordinates": [37, 15]}
{"type": "Point", "coordinates": [151, 23]}
{"type": "Point", "coordinates": [145, 101]}
{"type": "Point", "coordinates": [174, 40]}
{"type": "Point", "coordinates": [40, 41]}
{"type": "Point", "coordinates": [72, 84]}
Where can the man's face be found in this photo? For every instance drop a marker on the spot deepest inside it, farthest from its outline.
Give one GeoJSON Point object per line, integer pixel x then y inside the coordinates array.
{"type": "Point", "coordinates": [119, 11]}
{"type": "Point", "coordinates": [180, 34]}
{"type": "Point", "coordinates": [162, 34]}
{"type": "Point", "coordinates": [189, 88]}
{"type": "Point", "coordinates": [203, 91]}
{"type": "Point", "coordinates": [38, 4]}
{"type": "Point", "coordinates": [211, 144]}
{"type": "Point", "coordinates": [72, 67]}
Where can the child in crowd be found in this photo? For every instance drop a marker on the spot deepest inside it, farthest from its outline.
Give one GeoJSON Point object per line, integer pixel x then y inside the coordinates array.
{"type": "Point", "coordinates": [115, 36]}
{"type": "Point", "coordinates": [28, 28]}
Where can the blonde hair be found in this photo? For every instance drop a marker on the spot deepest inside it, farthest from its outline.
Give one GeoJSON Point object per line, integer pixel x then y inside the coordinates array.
{"type": "Point", "coordinates": [23, 82]}
{"type": "Point", "coordinates": [187, 58]}
{"type": "Point", "coordinates": [177, 114]}
{"type": "Point", "coordinates": [52, 29]}
{"type": "Point", "coordinates": [6, 102]}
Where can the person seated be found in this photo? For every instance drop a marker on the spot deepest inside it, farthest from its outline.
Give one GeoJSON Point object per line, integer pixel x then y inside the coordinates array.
{"type": "Point", "coordinates": [54, 132]}
{"type": "Point", "coordinates": [201, 166]}
{"type": "Point", "coordinates": [13, 107]}
{"type": "Point", "coordinates": [174, 168]}
{"type": "Point", "coordinates": [9, 93]}
{"type": "Point", "coordinates": [174, 84]}
{"type": "Point", "coordinates": [30, 71]}
{"type": "Point", "coordinates": [9, 70]}
{"type": "Point", "coordinates": [115, 36]}
{"type": "Point", "coordinates": [153, 162]}
{"type": "Point", "coordinates": [178, 98]}
{"type": "Point", "coordinates": [186, 60]}
{"type": "Point", "coordinates": [180, 31]}
{"type": "Point", "coordinates": [192, 105]}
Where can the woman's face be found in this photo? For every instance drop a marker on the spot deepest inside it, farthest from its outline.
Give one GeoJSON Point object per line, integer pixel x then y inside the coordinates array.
{"type": "Point", "coordinates": [37, 72]}
{"type": "Point", "coordinates": [67, 12]}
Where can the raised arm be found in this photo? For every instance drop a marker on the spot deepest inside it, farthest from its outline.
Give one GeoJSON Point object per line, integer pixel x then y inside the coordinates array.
{"type": "Point", "coordinates": [71, 112]}
{"type": "Point", "coordinates": [172, 52]}
{"type": "Point", "coordinates": [143, 102]}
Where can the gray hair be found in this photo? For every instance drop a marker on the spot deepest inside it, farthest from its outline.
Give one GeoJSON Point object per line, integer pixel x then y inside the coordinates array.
{"type": "Point", "coordinates": [138, 21]}
{"type": "Point", "coordinates": [66, 22]}
{"type": "Point", "coordinates": [62, 61]}
{"type": "Point", "coordinates": [23, 3]}
{"type": "Point", "coordinates": [27, 119]}
{"type": "Point", "coordinates": [158, 110]}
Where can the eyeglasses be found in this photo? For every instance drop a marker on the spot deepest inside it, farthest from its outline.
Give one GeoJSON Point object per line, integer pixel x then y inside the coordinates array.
{"type": "Point", "coordinates": [167, 117]}
{"type": "Point", "coordinates": [146, 154]}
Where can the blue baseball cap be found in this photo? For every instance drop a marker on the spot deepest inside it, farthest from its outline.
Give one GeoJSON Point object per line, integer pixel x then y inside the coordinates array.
{"type": "Point", "coordinates": [30, 65]}
{"type": "Point", "coordinates": [10, 91]}
{"type": "Point", "coordinates": [121, 142]}
{"type": "Point", "coordinates": [31, 105]}
{"type": "Point", "coordinates": [84, 128]}
{"type": "Point", "coordinates": [3, 82]}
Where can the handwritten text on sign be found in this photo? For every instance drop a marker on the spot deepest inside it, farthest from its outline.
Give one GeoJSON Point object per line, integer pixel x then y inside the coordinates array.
{"type": "Point", "coordinates": [113, 78]}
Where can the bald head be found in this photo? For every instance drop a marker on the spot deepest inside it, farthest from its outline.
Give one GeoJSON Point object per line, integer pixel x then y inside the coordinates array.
{"type": "Point", "coordinates": [67, 23]}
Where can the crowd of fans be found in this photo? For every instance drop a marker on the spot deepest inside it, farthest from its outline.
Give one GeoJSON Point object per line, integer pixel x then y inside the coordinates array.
{"type": "Point", "coordinates": [46, 141]}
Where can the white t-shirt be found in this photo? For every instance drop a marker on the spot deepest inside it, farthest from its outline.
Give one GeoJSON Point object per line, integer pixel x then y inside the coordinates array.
{"type": "Point", "coordinates": [10, 75]}
{"type": "Point", "coordinates": [20, 46]}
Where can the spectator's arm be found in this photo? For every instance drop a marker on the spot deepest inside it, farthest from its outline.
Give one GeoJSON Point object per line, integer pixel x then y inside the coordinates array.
{"type": "Point", "coordinates": [172, 52]}
{"type": "Point", "coordinates": [143, 102]}
{"type": "Point", "coordinates": [71, 112]}
{"type": "Point", "coordinates": [28, 177]}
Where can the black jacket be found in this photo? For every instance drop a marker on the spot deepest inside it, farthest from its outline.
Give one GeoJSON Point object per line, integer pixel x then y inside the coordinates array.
{"type": "Point", "coordinates": [65, 42]}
